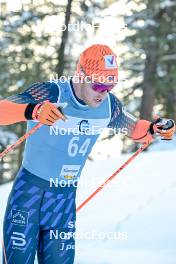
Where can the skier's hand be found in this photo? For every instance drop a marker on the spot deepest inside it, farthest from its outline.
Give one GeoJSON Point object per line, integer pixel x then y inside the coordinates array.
{"type": "Point", "coordinates": [163, 127]}
{"type": "Point", "coordinates": [47, 113]}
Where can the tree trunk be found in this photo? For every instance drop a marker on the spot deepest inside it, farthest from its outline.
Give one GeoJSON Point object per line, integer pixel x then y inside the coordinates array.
{"type": "Point", "coordinates": [170, 95]}
{"type": "Point", "coordinates": [61, 63]}
{"type": "Point", "coordinates": [149, 84]}
{"type": "Point", "coordinates": [150, 71]}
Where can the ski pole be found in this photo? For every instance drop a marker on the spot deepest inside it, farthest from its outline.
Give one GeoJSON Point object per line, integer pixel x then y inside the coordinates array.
{"type": "Point", "coordinates": [20, 140]}
{"type": "Point", "coordinates": [144, 146]}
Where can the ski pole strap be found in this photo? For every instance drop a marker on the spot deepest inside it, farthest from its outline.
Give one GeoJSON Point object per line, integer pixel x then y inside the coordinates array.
{"type": "Point", "coordinates": [144, 146]}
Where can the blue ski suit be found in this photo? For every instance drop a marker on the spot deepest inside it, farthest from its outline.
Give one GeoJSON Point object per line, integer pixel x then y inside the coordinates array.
{"type": "Point", "coordinates": [40, 216]}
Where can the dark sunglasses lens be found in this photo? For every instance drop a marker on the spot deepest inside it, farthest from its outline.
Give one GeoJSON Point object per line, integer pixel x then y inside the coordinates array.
{"type": "Point", "coordinates": [101, 87]}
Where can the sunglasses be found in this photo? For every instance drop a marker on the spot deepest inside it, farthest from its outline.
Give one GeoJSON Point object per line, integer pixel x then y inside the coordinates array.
{"type": "Point", "coordinates": [99, 87]}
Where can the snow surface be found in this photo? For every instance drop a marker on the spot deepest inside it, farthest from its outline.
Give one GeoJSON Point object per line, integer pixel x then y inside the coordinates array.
{"type": "Point", "coordinates": [138, 206]}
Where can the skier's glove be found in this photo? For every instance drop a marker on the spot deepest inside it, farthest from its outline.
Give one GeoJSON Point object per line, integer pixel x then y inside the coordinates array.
{"type": "Point", "coordinates": [46, 113]}
{"type": "Point", "coordinates": [141, 132]}
{"type": "Point", "coordinates": [163, 127]}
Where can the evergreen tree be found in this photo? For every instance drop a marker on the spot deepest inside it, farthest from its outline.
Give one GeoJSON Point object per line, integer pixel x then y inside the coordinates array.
{"type": "Point", "coordinates": [150, 61]}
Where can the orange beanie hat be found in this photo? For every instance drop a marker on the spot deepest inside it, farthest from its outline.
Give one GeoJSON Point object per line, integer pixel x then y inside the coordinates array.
{"type": "Point", "coordinates": [99, 63]}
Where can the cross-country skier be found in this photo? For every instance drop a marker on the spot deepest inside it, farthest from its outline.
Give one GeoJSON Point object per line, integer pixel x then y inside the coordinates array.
{"type": "Point", "coordinates": [36, 209]}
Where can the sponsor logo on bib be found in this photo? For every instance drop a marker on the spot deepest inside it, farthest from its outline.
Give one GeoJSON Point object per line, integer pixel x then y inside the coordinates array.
{"type": "Point", "coordinates": [70, 172]}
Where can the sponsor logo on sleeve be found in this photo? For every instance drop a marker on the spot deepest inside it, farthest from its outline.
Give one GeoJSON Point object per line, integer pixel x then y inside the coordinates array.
{"type": "Point", "coordinates": [19, 217]}
{"type": "Point", "coordinates": [18, 240]}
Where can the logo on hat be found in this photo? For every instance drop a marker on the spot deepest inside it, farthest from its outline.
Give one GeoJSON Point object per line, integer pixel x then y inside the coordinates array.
{"type": "Point", "coordinates": [110, 62]}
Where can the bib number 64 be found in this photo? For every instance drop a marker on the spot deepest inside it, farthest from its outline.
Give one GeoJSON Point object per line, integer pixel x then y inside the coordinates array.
{"type": "Point", "coordinates": [74, 149]}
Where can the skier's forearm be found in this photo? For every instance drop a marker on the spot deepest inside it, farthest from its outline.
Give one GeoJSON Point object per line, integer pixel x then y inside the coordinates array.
{"type": "Point", "coordinates": [46, 113]}
{"type": "Point", "coordinates": [11, 113]}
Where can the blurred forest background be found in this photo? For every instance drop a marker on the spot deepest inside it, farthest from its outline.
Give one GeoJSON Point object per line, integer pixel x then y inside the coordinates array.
{"type": "Point", "coordinates": [37, 42]}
